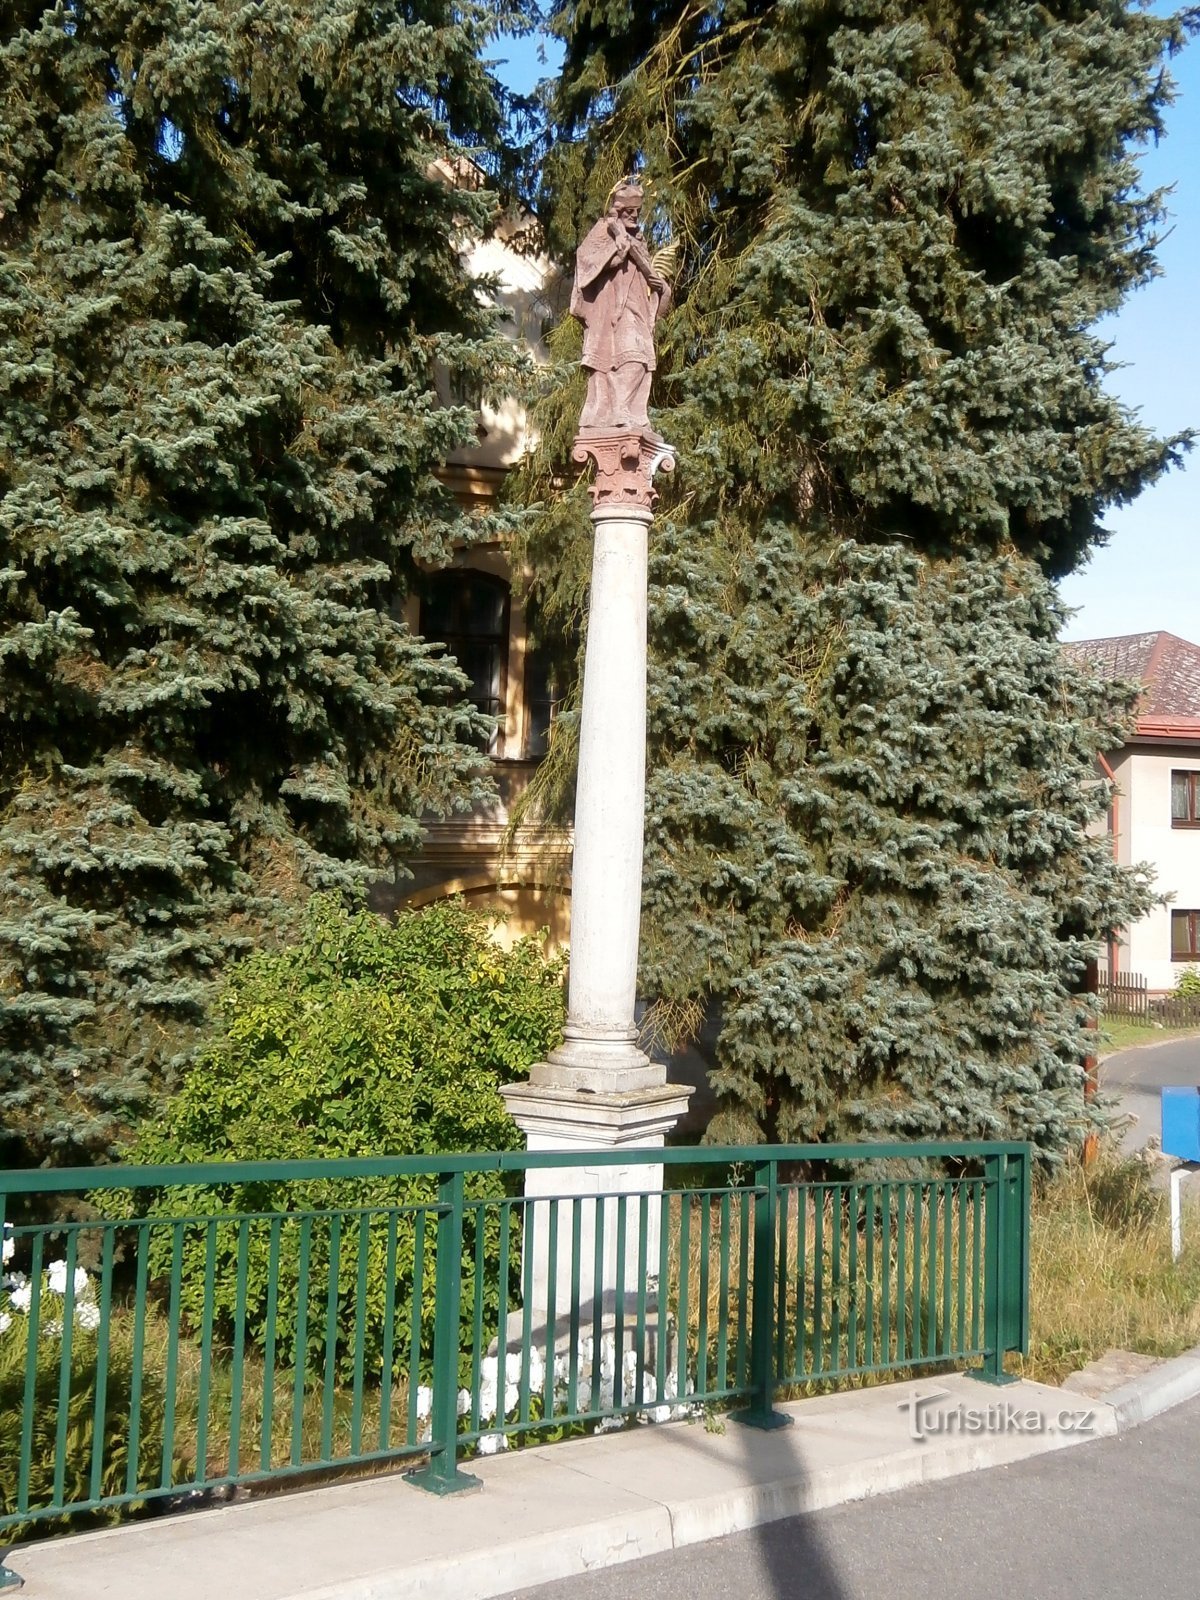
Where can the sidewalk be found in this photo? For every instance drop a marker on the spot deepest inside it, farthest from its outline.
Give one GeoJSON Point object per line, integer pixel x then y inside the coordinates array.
{"type": "Point", "coordinates": [563, 1509]}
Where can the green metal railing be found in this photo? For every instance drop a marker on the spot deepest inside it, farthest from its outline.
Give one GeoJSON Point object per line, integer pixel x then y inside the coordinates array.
{"type": "Point", "coordinates": [188, 1328]}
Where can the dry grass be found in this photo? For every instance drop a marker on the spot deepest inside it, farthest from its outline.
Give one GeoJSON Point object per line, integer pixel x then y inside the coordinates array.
{"type": "Point", "coordinates": [1101, 1270]}
{"type": "Point", "coordinates": [1120, 1033]}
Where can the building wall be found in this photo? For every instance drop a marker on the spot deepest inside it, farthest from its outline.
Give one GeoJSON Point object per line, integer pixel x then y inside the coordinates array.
{"type": "Point", "coordinates": [1145, 833]}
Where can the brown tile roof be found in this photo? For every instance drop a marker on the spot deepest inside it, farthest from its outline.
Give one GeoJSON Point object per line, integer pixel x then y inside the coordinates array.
{"type": "Point", "coordinates": [1168, 666]}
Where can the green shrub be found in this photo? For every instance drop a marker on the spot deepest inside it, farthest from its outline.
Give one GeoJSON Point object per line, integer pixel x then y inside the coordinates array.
{"type": "Point", "coordinates": [1188, 981]}
{"type": "Point", "coordinates": [367, 1038]}
{"type": "Point", "coordinates": [80, 1430]}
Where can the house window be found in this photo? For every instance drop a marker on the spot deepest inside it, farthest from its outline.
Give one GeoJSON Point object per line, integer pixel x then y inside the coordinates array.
{"type": "Point", "coordinates": [1185, 799]}
{"type": "Point", "coordinates": [1185, 935]}
{"type": "Point", "coordinates": [468, 613]}
{"type": "Point", "coordinates": [543, 696]}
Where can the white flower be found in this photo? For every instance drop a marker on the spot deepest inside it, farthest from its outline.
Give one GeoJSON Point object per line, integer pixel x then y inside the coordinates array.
{"type": "Point", "coordinates": [8, 1246]}
{"type": "Point", "coordinates": [5, 1321]}
{"type": "Point", "coordinates": [424, 1402]}
{"type": "Point", "coordinates": [20, 1292]}
{"type": "Point", "coordinates": [464, 1402]}
{"type": "Point", "coordinates": [87, 1314]}
{"type": "Point", "coordinates": [56, 1278]}
{"type": "Point", "coordinates": [490, 1443]}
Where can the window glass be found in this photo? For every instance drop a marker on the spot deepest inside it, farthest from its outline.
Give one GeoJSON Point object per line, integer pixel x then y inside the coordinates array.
{"type": "Point", "coordinates": [1185, 797]}
{"type": "Point", "coordinates": [1185, 935]}
{"type": "Point", "coordinates": [468, 613]}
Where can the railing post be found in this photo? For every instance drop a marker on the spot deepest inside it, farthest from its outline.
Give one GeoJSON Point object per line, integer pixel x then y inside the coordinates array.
{"type": "Point", "coordinates": [442, 1476]}
{"type": "Point", "coordinates": [9, 1580]}
{"type": "Point", "coordinates": [996, 1278]}
{"type": "Point", "coordinates": [760, 1413]}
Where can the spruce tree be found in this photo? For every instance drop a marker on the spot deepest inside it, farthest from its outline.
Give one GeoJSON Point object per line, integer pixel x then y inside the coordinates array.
{"type": "Point", "coordinates": [871, 769]}
{"type": "Point", "coordinates": [228, 266]}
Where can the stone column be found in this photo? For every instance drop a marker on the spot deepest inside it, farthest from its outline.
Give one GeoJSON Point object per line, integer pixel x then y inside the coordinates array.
{"type": "Point", "coordinates": [598, 1090]}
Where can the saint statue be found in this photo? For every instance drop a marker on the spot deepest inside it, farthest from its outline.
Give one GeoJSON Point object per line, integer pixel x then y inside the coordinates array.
{"type": "Point", "coordinates": [619, 294]}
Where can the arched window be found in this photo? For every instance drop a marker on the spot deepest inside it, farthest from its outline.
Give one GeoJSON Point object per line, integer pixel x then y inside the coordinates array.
{"type": "Point", "coordinates": [468, 613]}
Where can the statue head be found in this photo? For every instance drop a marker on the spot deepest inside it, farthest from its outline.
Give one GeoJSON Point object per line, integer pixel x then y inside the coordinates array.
{"type": "Point", "coordinates": [626, 204]}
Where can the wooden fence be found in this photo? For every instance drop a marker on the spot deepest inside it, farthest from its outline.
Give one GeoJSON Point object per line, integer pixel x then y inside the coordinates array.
{"type": "Point", "coordinates": [1127, 994]}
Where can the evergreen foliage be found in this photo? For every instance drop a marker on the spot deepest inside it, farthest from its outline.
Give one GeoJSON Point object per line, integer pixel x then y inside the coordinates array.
{"type": "Point", "coordinates": [871, 769]}
{"type": "Point", "coordinates": [227, 269]}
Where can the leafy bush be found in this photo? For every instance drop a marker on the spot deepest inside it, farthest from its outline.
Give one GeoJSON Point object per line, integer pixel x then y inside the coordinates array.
{"type": "Point", "coordinates": [1188, 981]}
{"type": "Point", "coordinates": [367, 1038]}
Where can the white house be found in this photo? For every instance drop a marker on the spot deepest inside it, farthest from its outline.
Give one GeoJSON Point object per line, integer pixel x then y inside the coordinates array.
{"type": "Point", "coordinates": [1155, 815]}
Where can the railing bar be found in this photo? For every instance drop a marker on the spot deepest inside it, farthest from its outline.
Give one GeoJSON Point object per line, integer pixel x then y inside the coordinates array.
{"type": "Point", "coordinates": [802, 1195]}
{"type": "Point", "coordinates": [681, 1320]}
{"type": "Point", "coordinates": [743, 1287]}
{"type": "Point", "coordinates": [918, 1257]}
{"type": "Point", "coordinates": [947, 1275]}
{"type": "Point", "coordinates": [266, 1443]}
{"type": "Point", "coordinates": [29, 1402]}
{"type": "Point", "coordinates": [619, 1306]}
{"type": "Point", "coordinates": [783, 1209]}
{"type": "Point", "coordinates": [884, 1350]}
{"type": "Point", "coordinates": [362, 1279]}
{"type": "Point", "coordinates": [960, 1276]}
{"type": "Point", "coordinates": [662, 1342]}
{"type": "Point", "coordinates": [528, 1250]}
{"type": "Point", "coordinates": [931, 1288]}
{"type": "Point", "coordinates": [64, 1371]}
{"type": "Point", "coordinates": [167, 1474]}
{"type": "Point", "coordinates": [102, 1338]}
{"type": "Point", "coordinates": [206, 1343]}
{"type": "Point", "coordinates": [478, 1219]}
{"type": "Point", "coordinates": [239, 1350]}
{"type": "Point", "coordinates": [300, 1352]}
{"type": "Point", "coordinates": [506, 1211]}
{"type": "Point", "coordinates": [702, 1294]}
{"type": "Point", "coordinates": [869, 1297]}
{"type": "Point", "coordinates": [576, 1287]}
{"type": "Point", "coordinates": [835, 1294]}
{"type": "Point", "coordinates": [600, 1210]}
{"type": "Point", "coordinates": [723, 1297]}
{"type": "Point", "coordinates": [551, 1311]}
{"type": "Point", "coordinates": [138, 1358]}
{"type": "Point", "coordinates": [853, 1211]}
{"type": "Point", "coordinates": [329, 1380]}
{"type": "Point", "coordinates": [818, 1277]}
{"type": "Point", "coordinates": [639, 1380]}
{"type": "Point", "coordinates": [976, 1259]}
{"type": "Point", "coordinates": [414, 1330]}
{"type": "Point", "coordinates": [901, 1269]}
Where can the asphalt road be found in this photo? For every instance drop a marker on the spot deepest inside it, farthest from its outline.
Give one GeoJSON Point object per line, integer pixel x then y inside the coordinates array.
{"type": "Point", "coordinates": [1134, 1078]}
{"type": "Point", "coordinates": [1115, 1520]}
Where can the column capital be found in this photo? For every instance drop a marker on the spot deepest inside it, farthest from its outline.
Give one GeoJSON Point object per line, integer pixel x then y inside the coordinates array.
{"type": "Point", "coordinates": [625, 465]}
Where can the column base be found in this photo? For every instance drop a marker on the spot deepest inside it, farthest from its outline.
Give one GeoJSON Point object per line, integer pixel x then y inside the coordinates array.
{"type": "Point", "coordinates": [599, 1205]}
{"type": "Point", "coordinates": [608, 1063]}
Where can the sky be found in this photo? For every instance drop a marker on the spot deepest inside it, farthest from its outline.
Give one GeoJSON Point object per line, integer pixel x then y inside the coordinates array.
{"type": "Point", "coordinates": [1147, 576]}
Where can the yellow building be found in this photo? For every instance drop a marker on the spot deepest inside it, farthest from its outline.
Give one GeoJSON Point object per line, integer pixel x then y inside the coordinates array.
{"type": "Point", "coordinates": [474, 608]}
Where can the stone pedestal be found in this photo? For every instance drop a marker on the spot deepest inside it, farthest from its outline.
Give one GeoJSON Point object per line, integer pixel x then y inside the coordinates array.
{"type": "Point", "coordinates": [598, 1090]}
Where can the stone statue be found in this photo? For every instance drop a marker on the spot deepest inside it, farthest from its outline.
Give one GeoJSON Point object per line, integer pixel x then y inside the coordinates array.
{"type": "Point", "coordinates": [619, 295]}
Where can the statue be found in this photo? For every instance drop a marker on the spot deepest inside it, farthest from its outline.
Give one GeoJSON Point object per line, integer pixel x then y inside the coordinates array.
{"type": "Point", "coordinates": [619, 294]}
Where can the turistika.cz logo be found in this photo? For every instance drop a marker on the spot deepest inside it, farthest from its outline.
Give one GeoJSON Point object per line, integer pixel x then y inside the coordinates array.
{"type": "Point", "coordinates": [929, 1418]}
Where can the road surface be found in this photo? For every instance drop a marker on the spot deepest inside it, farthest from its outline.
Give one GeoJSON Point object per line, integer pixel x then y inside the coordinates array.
{"type": "Point", "coordinates": [1118, 1519]}
{"type": "Point", "coordinates": [1134, 1078]}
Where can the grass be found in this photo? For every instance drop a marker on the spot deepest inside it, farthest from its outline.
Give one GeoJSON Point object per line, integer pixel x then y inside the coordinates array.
{"type": "Point", "coordinates": [1122, 1033]}
{"type": "Point", "coordinates": [1101, 1274]}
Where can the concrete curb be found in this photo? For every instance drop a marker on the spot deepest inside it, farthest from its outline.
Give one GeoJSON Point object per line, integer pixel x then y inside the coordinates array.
{"type": "Point", "coordinates": [1170, 1385]}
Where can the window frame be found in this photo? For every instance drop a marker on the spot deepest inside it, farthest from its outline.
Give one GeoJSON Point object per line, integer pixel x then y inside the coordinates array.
{"type": "Point", "coordinates": [1191, 920]}
{"type": "Point", "coordinates": [459, 639]}
{"type": "Point", "coordinates": [1191, 775]}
